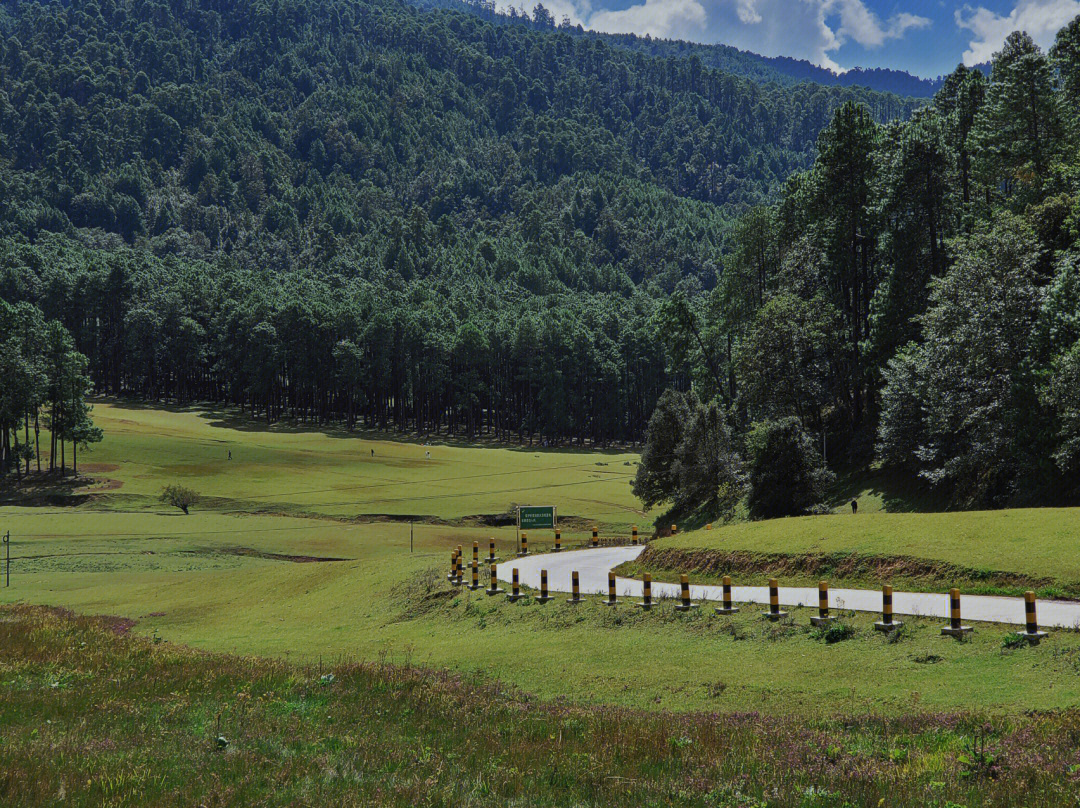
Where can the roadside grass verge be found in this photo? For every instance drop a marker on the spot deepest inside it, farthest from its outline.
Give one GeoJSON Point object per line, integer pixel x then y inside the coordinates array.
{"type": "Point", "coordinates": [90, 717]}
{"type": "Point", "coordinates": [981, 552]}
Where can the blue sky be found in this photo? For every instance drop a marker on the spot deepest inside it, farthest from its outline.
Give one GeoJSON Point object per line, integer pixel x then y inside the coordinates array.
{"type": "Point", "coordinates": [924, 37]}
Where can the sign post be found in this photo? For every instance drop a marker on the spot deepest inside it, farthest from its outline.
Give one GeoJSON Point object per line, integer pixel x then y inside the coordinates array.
{"type": "Point", "coordinates": [536, 517]}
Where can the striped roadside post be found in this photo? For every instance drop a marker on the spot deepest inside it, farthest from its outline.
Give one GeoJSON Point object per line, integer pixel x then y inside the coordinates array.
{"type": "Point", "coordinates": [823, 617]}
{"type": "Point", "coordinates": [524, 544]}
{"type": "Point", "coordinates": [460, 563]}
{"type": "Point", "coordinates": [886, 623]}
{"type": "Point", "coordinates": [684, 604]}
{"type": "Point", "coordinates": [515, 587]}
{"type": "Point", "coordinates": [475, 584]}
{"type": "Point", "coordinates": [956, 628]}
{"type": "Point", "coordinates": [457, 579]}
{"type": "Point", "coordinates": [1031, 631]}
{"type": "Point", "coordinates": [708, 526]}
{"type": "Point", "coordinates": [494, 588]}
{"type": "Point", "coordinates": [558, 541]}
{"type": "Point", "coordinates": [774, 612]}
{"type": "Point", "coordinates": [612, 600]}
{"type": "Point", "coordinates": [646, 592]}
{"type": "Point", "coordinates": [575, 588]}
{"type": "Point", "coordinates": [595, 537]}
{"type": "Point", "coordinates": [453, 565]}
{"type": "Point", "coordinates": [491, 551]}
{"type": "Point", "coordinates": [475, 552]}
{"type": "Point", "coordinates": [727, 608]}
{"type": "Point", "coordinates": [674, 529]}
{"type": "Point", "coordinates": [633, 535]}
{"type": "Point", "coordinates": [543, 597]}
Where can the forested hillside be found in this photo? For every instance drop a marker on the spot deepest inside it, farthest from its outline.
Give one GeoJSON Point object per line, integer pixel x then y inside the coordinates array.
{"type": "Point", "coordinates": [780, 69]}
{"type": "Point", "coordinates": [354, 210]}
{"type": "Point", "coordinates": [914, 297]}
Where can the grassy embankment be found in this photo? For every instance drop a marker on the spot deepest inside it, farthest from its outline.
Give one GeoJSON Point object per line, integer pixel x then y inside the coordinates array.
{"type": "Point", "coordinates": [89, 717]}
{"type": "Point", "coordinates": [981, 552]}
{"type": "Point", "coordinates": [229, 580]}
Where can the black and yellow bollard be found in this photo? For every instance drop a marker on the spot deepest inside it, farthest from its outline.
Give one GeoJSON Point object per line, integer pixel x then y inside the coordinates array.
{"type": "Point", "coordinates": [595, 537]}
{"type": "Point", "coordinates": [612, 599]}
{"type": "Point", "coordinates": [674, 529]}
{"type": "Point", "coordinates": [774, 612]}
{"type": "Point", "coordinates": [633, 535]}
{"type": "Point", "coordinates": [543, 597]}
{"type": "Point", "coordinates": [458, 576]}
{"type": "Point", "coordinates": [460, 566]}
{"type": "Point", "coordinates": [823, 617]}
{"type": "Point", "coordinates": [475, 584]}
{"type": "Point", "coordinates": [491, 551]}
{"type": "Point", "coordinates": [708, 526]}
{"type": "Point", "coordinates": [524, 544]}
{"type": "Point", "coordinates": [575, 588]}
{"type": "Point", "coordinates": [955, 628]}
{"type": "Point", "coordinates": [646, 592]}
{"type": "Point", "coordinates": [515, 587]}
{"type": "Point", "coordinates": [475, 552]}
{"type": "Point", "coordinates": [886, 623]}
{"type": "Point", "coordinates": [684, 604]}
{"type": "Point", "coordinates": [453, 566]}
{"type": "Point", "coordinates": [494, 588]}
{"type": "Point", "coordinates": [727, 608]}
{"type": "Point", "coordinates": [1031, 631]}
{"type": "Point", "coordinates": [558, 541]}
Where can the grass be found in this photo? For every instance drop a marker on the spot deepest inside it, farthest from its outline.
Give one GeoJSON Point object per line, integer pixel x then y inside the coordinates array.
{"type": "Point", "coordinates": [90, 717]}
{"type": "Point", "coordinates": [981, 552]}
{"type": "Point", "coordinates": [233, 578]}
{"type": "Point", "coordinates": [281, 470]}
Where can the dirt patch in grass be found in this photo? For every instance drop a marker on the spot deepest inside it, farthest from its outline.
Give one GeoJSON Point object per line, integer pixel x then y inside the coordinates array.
{"type": "Point", "coordinates": [916, 573]}
{"type": "Point", "coordinates": [296, 559]}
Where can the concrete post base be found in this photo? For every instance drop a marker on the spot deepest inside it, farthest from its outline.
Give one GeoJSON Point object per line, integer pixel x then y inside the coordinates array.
{"type": "Point", "coordinates": [774, 616]}
{"type": "Point", "coordinates": [1034, 637]}
{"type": "Point", "coordinates": [722, 610]}
{"type": "Point", "coordinates": [644, 606]}
{"type": "Point", "coordinates": [610, 602]}
{"type": "Point", "coordinates": [514, 598]}
{"type": "Point", "coordinates": [881, 625]}
{"type": "Point", "coordinates": [495, 591]}
{"type": "Point", "coordinates": [473, 587]}
{"type": "Point", "coordinates": [685, 607]}
{"type": "Point", "coordinates": [543, 598]}
{"type": "Point", "coordinates": [949, 631]}
{"type": "Point", "coordinates": [819, 621]}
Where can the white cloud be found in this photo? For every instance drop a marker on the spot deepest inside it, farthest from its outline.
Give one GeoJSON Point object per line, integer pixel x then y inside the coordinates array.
{"type": "Point", "coordinates": [804, 29]}
{"type": "Point", "coordinates": [1042, 19]}
{"type": "Point", "coordinates": [680, 19]}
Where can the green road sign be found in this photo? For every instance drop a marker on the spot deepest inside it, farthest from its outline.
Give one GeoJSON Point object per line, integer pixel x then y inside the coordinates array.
{"type": "Point", "coordinates": [535, 517]}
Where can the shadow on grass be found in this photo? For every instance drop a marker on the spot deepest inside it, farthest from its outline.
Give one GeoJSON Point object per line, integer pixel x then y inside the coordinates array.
{"type": "Point", "coordinates": [234, 418]}
{"type": "Point", "coordinates": [899, 492]}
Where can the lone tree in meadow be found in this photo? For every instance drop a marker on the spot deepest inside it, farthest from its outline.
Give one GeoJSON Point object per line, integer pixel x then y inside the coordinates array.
{"type": "Point", "coordinates": [179, 497]}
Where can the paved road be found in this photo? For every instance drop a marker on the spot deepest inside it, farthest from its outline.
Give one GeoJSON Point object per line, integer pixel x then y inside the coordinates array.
{"type": "Point", "coordinates": [593, 567]}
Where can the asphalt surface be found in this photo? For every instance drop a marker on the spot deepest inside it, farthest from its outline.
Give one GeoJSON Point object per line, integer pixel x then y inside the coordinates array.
{"type": "Point", "coordinates": [593, 567]}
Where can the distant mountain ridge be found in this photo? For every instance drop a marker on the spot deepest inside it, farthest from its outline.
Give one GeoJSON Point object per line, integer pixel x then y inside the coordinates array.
{"type": "Point", "coordinates": [783, 70]}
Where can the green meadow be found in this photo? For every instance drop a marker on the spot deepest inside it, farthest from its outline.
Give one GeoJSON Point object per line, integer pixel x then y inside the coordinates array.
{"type": "Point", "coordinates": [981, 552]}
{"type": "Point", "coordinates": [303, 550]}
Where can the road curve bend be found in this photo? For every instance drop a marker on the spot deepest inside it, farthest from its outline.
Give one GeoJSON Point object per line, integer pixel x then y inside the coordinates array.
{"type": "Point", "coordinates": [593, 566]}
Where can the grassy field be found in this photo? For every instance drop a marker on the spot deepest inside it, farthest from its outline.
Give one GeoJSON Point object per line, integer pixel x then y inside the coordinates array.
{"type": "Point", "coordinates": [91, 717]}
{"type": "Point", "coordinates": [981, 552]}
{"type": "Point", "coordinates": [333, 472]}
{"type": "Point", "coordinates": [284, 580]}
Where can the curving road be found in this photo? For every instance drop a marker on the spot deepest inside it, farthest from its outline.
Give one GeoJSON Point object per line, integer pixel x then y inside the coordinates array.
{"type": "Point", "coordinates": [593, 567]}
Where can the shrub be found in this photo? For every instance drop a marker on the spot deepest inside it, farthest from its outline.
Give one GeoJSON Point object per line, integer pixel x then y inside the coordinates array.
{"type": "Point", "coordinates": [179, 497]}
